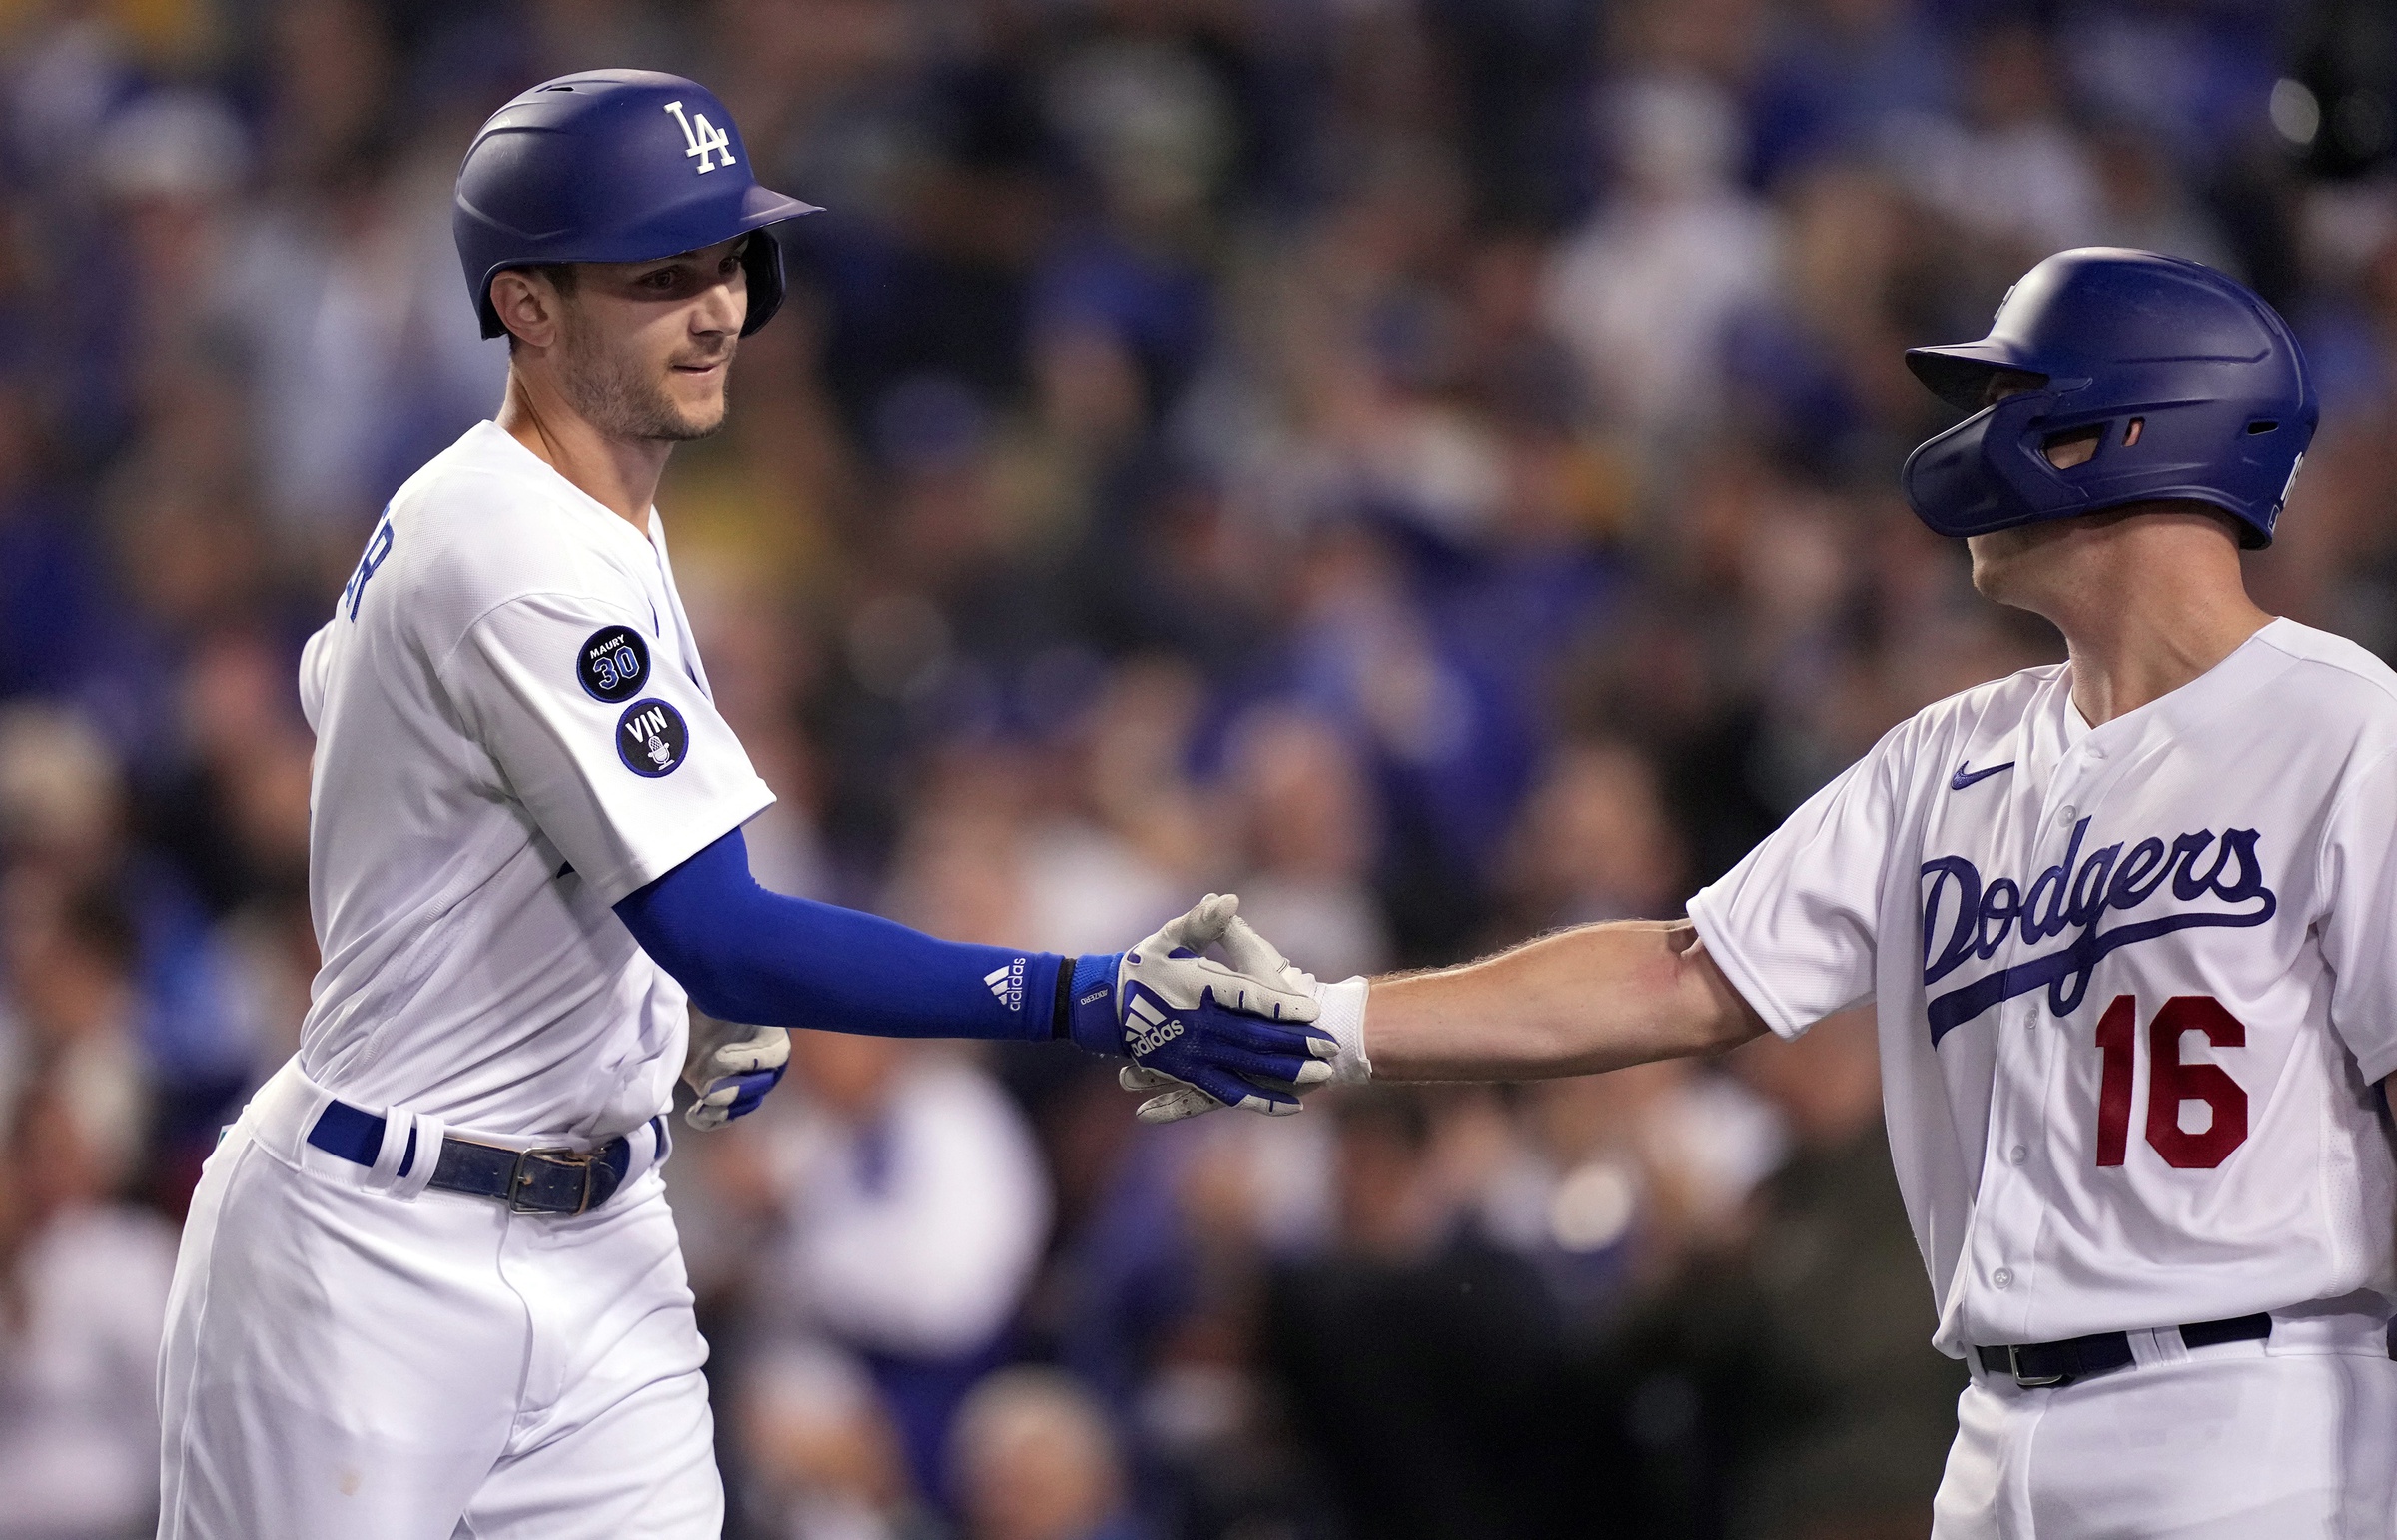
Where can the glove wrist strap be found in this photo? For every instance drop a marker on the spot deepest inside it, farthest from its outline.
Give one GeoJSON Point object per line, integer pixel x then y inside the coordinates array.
{"type": "Point", "coordinates": [1086, 1003]}
{"type": "Point", "coordinates": [1342, 1008]}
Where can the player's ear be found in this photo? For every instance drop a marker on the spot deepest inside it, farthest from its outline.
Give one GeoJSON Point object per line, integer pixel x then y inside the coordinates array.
{"type": "Point", "coordinates": [528, 302]}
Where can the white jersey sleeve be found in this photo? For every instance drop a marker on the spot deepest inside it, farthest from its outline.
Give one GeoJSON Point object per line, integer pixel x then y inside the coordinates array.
{"type": "Point", "coordinates": [2358, 888]}
{"type": "Point", "coordinates": [1793, 926]}
{"type": "Point", "coordinates": [618, 756]}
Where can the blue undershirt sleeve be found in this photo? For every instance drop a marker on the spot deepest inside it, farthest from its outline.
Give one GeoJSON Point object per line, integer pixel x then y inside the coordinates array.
{"type": "Point", "coordinates": [769, 960]}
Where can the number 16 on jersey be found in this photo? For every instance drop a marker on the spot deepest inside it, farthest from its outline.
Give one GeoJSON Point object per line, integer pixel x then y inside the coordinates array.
{"type": "Point", "coordinates": [2171, 1082]}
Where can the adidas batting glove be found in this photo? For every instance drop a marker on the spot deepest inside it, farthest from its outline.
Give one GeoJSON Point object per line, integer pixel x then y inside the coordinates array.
{"type": "Point", "coordinates": [730, 1068]}
{"type": "Point", "coordinates": [1340, 1017]}
{"type": "Point", "coordinates": [1238, 1037]}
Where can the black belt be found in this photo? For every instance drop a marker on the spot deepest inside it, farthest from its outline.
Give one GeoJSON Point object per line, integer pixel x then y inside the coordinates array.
{"type": "Point", "coordinates": [2060, 1363]}
{"type": "Point", "coordinates": [555, 1180]}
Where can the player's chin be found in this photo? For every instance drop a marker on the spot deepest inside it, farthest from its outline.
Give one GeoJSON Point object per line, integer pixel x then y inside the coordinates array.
{"type": "Point", "coordinates": [1994, 558]}
{"type": "Point", "coordinates": [695, 414]}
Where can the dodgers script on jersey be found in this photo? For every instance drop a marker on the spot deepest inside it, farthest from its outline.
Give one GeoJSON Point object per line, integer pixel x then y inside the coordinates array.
{"type": "Point", "coordinates": [513, 732]}
{"type": "Point", "coordinates": [2134, 986]}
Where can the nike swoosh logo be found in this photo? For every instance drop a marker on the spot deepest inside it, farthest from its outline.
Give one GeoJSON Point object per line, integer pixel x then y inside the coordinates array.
{"type": "Point", "coordinates": [1965, 776]}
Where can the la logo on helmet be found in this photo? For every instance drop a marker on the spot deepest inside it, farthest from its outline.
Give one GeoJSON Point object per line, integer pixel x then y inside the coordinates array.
{"type": "Point", "coordinates": [703, 137]}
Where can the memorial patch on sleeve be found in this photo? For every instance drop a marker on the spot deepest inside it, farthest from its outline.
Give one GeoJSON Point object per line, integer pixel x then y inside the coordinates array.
{"type": "Point", "coordinates": [613, 663]}
{"type": "Point", "coordinates": [651, 738]}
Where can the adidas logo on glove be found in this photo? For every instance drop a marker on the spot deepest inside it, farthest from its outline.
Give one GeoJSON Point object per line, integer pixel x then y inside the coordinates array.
{"type": "Point", "coordinates": [1148, 1032]}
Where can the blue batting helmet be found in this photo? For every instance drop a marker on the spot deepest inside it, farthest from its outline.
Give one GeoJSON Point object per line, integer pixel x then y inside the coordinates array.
{"type": "Point", "coordinates": [614, 166]}
{"type": "Point", "coordinates": [2194, 386]}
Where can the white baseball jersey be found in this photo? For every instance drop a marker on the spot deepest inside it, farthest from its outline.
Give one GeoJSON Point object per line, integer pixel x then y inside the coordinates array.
{"type": "Point", "coordinates": [513, 732]}
{"type": "Point", "coordinates": [2134, 982]}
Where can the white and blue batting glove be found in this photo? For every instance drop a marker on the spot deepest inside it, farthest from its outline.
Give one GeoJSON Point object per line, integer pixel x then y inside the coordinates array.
{"type": "Point", "coordinates": [730, 1068]}
{"type": "Point", "coordinates": [1238, 1037]}
{"type": "Point", "coordinates": [1340, 1017]}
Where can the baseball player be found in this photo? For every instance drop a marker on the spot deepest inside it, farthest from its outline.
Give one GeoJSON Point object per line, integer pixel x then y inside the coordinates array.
{"type": "Point", "coordinates": [429, 1286]}
{"type": "Point", "coordinates": [2125, 923]}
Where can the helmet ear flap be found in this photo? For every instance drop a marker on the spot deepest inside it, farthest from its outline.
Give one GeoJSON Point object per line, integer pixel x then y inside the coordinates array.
{"type": "Point", "coordinates": [761, 258]}
{"type": "Point", "coordinates": [485, 310]}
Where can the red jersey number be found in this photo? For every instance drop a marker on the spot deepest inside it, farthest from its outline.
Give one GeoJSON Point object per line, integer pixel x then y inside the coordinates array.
{"type": "Point", "coordinates": [2170, 1082]}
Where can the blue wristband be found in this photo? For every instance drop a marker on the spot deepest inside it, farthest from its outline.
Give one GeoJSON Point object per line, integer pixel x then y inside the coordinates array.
{"type": "Point", "coordinates": [1090, 1016]}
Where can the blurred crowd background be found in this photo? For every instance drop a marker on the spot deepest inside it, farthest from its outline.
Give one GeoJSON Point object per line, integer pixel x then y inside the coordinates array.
{"type": "Point", "coordinates": [1428, 465]}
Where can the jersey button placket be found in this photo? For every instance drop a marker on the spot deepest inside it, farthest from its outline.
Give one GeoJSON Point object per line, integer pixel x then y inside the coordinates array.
{"type": "Point", "coordinates": [2004, 1221]}
{"type": "Point", "coordinates": [2014, 1210]}
{"type": "Point", "coordinates": [2025, 1207]}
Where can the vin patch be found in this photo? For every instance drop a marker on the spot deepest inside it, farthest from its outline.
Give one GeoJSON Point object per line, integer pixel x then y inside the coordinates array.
{"type": "Point", "coordinates": [651, 738]}
{"type": "Point", "coordinates": [612, 663]}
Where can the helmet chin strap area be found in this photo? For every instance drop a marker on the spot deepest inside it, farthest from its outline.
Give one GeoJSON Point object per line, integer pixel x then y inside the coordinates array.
{"type": "Point", "coordinates": [1989, 472]}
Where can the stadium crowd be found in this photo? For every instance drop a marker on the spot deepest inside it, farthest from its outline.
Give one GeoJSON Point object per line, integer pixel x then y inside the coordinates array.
{"type": "Point", "coordinates": [1426, 465]}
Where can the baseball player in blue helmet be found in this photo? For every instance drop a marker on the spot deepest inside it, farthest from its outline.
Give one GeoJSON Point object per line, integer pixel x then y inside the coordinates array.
{"type": "Point", "coordinates": [2124, 924]}
{"type": "Point", "coordinates": [429, 1284]}
{"type": "Point", "coordinates": [611, 167]}
{"type": "Point", "coordinates": [2109, 379]}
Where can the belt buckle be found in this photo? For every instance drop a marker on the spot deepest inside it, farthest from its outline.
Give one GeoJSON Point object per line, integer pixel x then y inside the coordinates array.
{"type": "Point", "coordinates": [519, 1180]}
{"type": "Point", "coordinates": [2014, 1366]}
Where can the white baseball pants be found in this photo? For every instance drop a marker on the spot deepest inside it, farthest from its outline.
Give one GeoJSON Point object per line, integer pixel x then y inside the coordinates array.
{"type": "Point", "coordinates": [2295, 1440]}
{"type": "Point", "coordinates": [343, 1361]}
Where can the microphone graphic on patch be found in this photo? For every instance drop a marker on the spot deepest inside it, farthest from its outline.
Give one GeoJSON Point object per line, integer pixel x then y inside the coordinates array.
{"type": "Point", "coordinates": [654, 739]}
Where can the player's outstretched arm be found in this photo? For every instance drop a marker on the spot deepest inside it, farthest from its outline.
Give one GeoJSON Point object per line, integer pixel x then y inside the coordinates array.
{"type": "Point", "coordinates": [1576, 1003]}
{"type": "Point", "coordinates": [1596, 997]}
{"type": "Point", "coordinates": [749, 955]}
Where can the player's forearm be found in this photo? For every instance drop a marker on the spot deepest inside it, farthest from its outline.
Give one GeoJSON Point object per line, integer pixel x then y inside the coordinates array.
{"type": "Point", "coordinates": [749, 955]}
{"type": "Point", "coordinates": [1586, 1000]}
